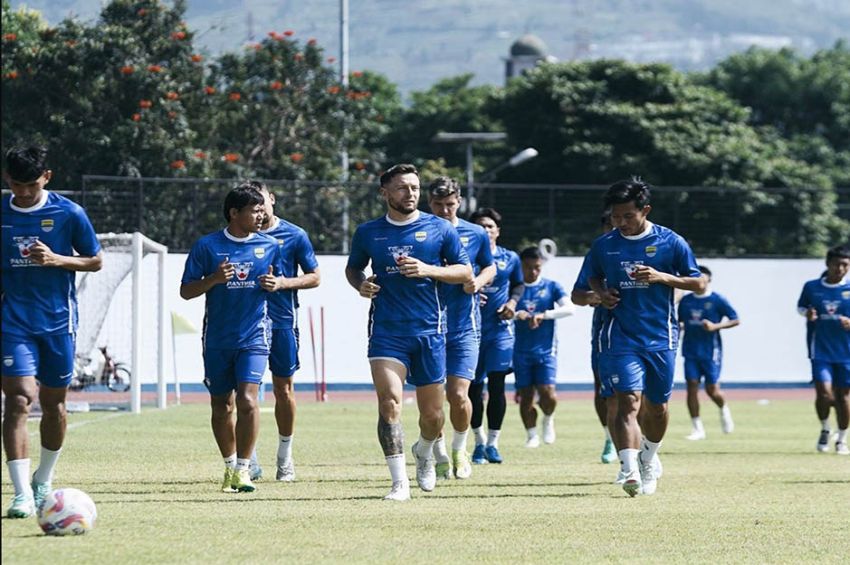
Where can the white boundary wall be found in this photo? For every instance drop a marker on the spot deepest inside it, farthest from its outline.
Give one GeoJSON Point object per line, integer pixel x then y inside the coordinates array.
{"type": "Point", "coordinates": [768, 346]}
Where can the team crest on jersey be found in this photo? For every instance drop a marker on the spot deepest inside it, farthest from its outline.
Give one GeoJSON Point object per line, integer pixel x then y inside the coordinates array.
{"type": "Point", "coordinates": [8, 361]}
{"type": "Point", "coordinates": [464, 239]}
{"type": "Point", "coordinates": [259, 252]}
{"type": "Point", "coordinates": [400, 252]}
{"type": "Point", "coordinates": [831, 306]}
{"type": "Point", "coordinates": [630, 267]}
{"type": "Point", "coordinates": [651, 250]}
{"type": "Point", "coordinates": [530, 306]}
{"type": "Point", "coordinates": [845, 294]}
{"type": "Point", "coordinates": [24, 243]}
{"type": "Point", "coordinates": [47, 225]}
{"type": "Point", "coordinates": [708, 306]}
{"type": "Point", "coordinates": [420, 236]}
{"type": "Point", "coordinates": [502, 264]}
{"type": "Point", "coordinates": [280, 241]}
{"type": "Point", "coordinates": [541, 293]}
{"type": "Point", "coordinates": [243, 269]}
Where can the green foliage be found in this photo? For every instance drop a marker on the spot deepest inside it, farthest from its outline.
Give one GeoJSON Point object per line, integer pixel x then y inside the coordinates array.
{"type": "Point", "coordinates": [596, 122]}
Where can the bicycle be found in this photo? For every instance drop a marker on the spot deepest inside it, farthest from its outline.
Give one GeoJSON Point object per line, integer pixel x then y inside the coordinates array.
{"type": "Point", "coordinates": [115, 376]}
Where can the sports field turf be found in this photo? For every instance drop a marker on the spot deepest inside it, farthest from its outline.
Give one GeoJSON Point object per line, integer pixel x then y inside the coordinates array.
{"type": "Point", "coordinates": [760, 495]}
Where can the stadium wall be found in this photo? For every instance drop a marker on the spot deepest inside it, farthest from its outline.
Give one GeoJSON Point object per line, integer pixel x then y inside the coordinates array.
{"type": "Point", "coordinates": [768, 346]}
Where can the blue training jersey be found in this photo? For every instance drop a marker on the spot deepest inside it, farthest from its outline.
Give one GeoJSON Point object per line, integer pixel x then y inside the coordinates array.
{"type": "Point", "coordinates": [537, 298]}
{"type": "Point", "coordinates": [600, 313]}
{"type": "Point", "coordinates": [295, 251]}
{"type": "Point", "coordinates": [41, 300]}
{"type": "Point", "coordinates": [236, 315]}
{"type": "Point", "coordinates": [699, 343]}
{"type": "Point", "coordinates": [645, 317]}
{"type": "Point", "coordinates": [463, 311]}
{"type": "Point", "coordinates": [406, 306]}
{"type": "Point", "coordinates": [828, 341]}
{"type": "Point", "coordinates": [508, 275]}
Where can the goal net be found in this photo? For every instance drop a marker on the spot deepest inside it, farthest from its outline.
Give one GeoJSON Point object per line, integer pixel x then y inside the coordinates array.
{"type": "Point", "coordinates": [122, 309]}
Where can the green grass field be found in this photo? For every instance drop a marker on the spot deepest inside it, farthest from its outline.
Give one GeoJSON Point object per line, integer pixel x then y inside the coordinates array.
{"type": "Point", "coordinates": [760, 495]}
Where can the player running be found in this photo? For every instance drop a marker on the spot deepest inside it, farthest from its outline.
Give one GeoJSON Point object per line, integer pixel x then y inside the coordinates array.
{"type": "Point", "coordinates": [634, 269]}
{"type": "Point", "coordinates": [463, 321]}
{"type": "Point", "coordinates": [410, 253]}
{"type": "Point", "coordinates": [536, 349]}
{"type": "Point", "coordinates": [825, 303]}
{"type": "Point", "coordinates": [236, 268]}
{"type": "Point", "coordinates": [495, 356]}
{"type": "Point", "coordinates": [41, 233]}
{"type": "Point", "coordinates": [701, 316]}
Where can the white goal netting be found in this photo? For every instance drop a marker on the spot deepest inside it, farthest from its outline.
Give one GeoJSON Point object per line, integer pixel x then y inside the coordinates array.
{"type": "Point", "coordinates": [122, 309]}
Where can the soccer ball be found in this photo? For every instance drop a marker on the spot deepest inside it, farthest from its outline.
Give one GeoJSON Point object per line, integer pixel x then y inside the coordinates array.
{"type": "Point", "coordinates": [67, 511]}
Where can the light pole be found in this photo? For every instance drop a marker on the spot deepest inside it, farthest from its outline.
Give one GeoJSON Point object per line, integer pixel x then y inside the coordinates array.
{"type": "Point", "coordinates": [469, 138]}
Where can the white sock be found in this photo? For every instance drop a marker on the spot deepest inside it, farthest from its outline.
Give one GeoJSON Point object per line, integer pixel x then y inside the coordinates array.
{"type": "Point", "coordinates": [46, 465]}
{"type": "Point", "coordinates": [547, 420]}
{"type": "Point", "coordinates": [396, 464]}
{"type": "Point", "coordinates": [480, 436]}
{"type": "Point", "coordinates": [440, 452]}
{"type": "Point", "coordinates": [628, 460]}
{"type": "Point", "coordinates": [697, 424]}
{"type": "Point", "coordinates": [243, 464]}
{"type": "Point", "coordinates": [424, 447]}
{"type": "Point", "coordinates": [607, 433]}
{"type": "Point", "coordinates": [493, 437]}
{"type": "Point", "coordinates": [648, 449]}
{"type": "Point", "coordinates": [842, 436]}
{"type": "Point", "coordinates": [19, 471]}
{"type": "Point", "coordinates": [284, 449]}
{"type": "Point", "coordinates": [230, 461]}
{"type": "Point", "coordinates": [459, 440]}
{"type": "Point", "coordinates": [824, 425]}
{"type": "Point", "coordinates": [725, 412]}
{"type": "Point", "coordinates": [532, 432]}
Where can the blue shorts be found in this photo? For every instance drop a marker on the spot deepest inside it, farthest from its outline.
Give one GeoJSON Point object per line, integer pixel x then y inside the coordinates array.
{"type": "Point", "coordinates": [836, 373]}
{"type": "Point", "coordinates": [696, 369]}
{"type": "Point", "coordinates": [424, 357]}
{"type": "Point", "coordinates": [650, 372]}
{"type": "Point", "coordinates": [225, 369]}
{"type": "Point", "coordinates": [601, 389]}
{"type": "Point", "coordinates": [495, 356]}
{"type": "Point", "coordinates": [48, 358]}
{"type": "Point", "coordinates": [462, 353]}
{"type": "Point", "coordinates": [283, 358]}
{"type": "Point", "coordinates": [535, 370]}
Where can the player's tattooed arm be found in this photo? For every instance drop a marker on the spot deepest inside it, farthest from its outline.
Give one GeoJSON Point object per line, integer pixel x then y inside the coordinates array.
{"type": "Point", "coordinates": [391, 437]}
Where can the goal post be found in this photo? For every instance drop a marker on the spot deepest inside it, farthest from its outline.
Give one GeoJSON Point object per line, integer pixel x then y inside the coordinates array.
{"type": "Point", "coordinates": [122, 307]}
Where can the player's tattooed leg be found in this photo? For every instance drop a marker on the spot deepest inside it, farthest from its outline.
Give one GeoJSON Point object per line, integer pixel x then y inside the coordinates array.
{"type": "Point", "coordinates": [391, 437]}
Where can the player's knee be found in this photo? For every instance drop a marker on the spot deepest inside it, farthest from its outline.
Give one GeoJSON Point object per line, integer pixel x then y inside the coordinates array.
{"type": "Point", "coordinates": [457, 396]}
{"type": "Point", "coordinates": [432, 415]}
{"type": "Point", "coordinates": [390, 409]}
{"type": "Point", "coordinates": [18, 404]}
{"type": "Point", "coordinates": [283, 391]}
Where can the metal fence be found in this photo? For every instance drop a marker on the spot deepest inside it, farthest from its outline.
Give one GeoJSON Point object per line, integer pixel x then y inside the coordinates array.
{"type": "Point", "coordinates": [716, 221]}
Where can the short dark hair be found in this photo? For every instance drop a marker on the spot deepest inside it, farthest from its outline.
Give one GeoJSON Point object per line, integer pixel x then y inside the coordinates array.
{"type": "Point", "coordinates": [257, 185]}
{"type": "Point", "coordinates": [486, 213]}
{"type": "Point", "coordinates": [704, 270]}
{"type": "Point", "coordinates": [26, 164]}
{"type": "Point", "coordinates": [246, 194]}
{"type": "Point", "coordinates": [838, 252]}
{"type": "Point", "coordinates": [605, 218]}
{"type": "Point", "coordinates": [530, 253]}
{"type": "Point", "coordinates": [397, 170]}
{"type": "Point", "coordinates": [633, 190]}
{"type": "Point", "coordinates": [442, 187]}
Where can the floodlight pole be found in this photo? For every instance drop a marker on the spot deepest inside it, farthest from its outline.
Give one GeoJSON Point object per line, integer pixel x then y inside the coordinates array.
{"type": "Point", "coordinates": [469, 138]}
{"type": "Point", "coordinates": [343, 71]}
{"type": "Point", "coordinates": [470, 173]}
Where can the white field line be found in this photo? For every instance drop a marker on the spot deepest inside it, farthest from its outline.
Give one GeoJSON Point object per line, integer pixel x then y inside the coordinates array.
{"type": "Point", "coordinates": [86, 422]}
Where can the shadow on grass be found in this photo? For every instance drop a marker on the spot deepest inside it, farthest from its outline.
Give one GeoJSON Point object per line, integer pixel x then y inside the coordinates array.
{"type": "Point", "coordinates": [820, 482]}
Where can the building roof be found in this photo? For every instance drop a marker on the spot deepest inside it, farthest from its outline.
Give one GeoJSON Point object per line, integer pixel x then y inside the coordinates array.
{"type": "Point", "coordinates": [529, 45]}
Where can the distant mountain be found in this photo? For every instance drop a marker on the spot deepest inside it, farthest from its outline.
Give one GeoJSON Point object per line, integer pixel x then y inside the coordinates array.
{"type": "Point", "coordinates": [417, 43]}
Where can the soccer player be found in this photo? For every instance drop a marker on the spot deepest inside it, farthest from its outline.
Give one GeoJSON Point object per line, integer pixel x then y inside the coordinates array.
{"type": "Point", "coordinates": [46, 240]}
{"type": "Point", "coordinates": [825, 303]}
{"type": "Point", "coordinates": [603, 397]}
{"type": "Point", "coordinates": [536, 349]}
{"type": "Point", "coordinates": [463, 321]}
{"type": "Point", "coordinates": [236, 268]}
{"type": "Point", "coordinates": [634, 269]}
{"type": "Point", "coordinates": [295, 251]}
{"type": "Point", "coordinates": [495, 356]}
{"type": "Point", "coordinates": [701, 316]}
{"type": "Point", "coordinates": [410, 253]}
